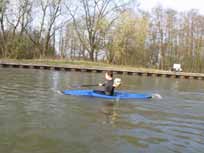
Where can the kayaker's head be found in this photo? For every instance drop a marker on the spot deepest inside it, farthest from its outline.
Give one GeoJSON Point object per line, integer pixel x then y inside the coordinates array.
{"type": "Point", "coordinates": [109, 75]}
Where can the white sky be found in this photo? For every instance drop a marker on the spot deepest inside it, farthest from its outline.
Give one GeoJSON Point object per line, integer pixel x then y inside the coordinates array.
{"type": "Point", "coordinates": [179, 5]}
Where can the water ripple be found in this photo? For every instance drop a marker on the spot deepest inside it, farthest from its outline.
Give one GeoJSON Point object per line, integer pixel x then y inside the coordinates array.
{"type": "Point", "coordinates": [34, 116]}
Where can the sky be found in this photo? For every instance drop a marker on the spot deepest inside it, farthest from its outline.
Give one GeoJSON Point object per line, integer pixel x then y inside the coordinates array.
{"type": "Point", "coordinates": [179, 5]}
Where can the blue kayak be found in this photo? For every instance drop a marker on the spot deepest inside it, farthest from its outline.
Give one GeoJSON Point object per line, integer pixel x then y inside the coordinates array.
{"type": "Point", "coordinates": [117, 95]}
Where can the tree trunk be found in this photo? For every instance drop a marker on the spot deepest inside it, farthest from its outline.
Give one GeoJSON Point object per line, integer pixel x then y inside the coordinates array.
{"type": "Point", "coordinates": [91, 55]}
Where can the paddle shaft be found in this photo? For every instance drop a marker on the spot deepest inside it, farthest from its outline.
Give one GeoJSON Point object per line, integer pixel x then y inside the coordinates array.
{"type": "Point", "coordinates": [89, 85]}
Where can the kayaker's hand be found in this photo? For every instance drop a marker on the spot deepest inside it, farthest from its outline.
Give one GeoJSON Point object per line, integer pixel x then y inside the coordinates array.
{"type": "Point", "coordinates": [100, 84]}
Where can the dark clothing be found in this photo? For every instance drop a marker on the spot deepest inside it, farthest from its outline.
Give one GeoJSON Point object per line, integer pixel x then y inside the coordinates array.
{"type": "Point", "coordinates": [108, 88]}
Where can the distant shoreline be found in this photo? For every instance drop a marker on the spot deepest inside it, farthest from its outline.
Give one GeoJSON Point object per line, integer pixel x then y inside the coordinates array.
{"type": "Point", "coordinates": [82, 63]}
{"type": "Point", "coordinates": [86, 66]}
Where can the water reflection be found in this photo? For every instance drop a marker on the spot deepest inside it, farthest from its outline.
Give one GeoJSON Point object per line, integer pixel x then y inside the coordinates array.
{"type": "Point", "coordinates": [110, 111]}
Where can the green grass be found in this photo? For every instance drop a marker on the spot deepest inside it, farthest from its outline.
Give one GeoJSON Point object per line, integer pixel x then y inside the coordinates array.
{"type": "Point", "coordinates": [80, 63]}
{"type": "Point", "coordinates": [95, 65]}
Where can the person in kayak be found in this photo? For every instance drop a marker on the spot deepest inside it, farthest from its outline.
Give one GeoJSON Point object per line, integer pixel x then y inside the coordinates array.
{"type": "Point", "coordinates": [109, 85]}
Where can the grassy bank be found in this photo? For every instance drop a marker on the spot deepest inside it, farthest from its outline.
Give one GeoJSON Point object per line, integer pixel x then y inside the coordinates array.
{"type": "Point", "coordinates": [81, 63]}
{"type": "Point", "coordinates": [96, 65]}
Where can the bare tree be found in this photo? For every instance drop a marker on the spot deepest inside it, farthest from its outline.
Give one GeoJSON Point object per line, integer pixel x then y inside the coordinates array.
{"type": "Point", "coordinates": [93, 13]}
{"type": "Point", "coordinates": [54, 13]}
{"type": "Point", "coordinates": [50, 10]}
{"type": "Point", "coordinates": [3, 37]}
{"type": "Point", "coordinates": [20, 17]}
{"type": "Point", "coordinates": [158, 34]}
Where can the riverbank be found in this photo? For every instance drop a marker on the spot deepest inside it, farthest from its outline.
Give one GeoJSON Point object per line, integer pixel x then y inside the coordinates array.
{"type": "Point", "coordinates": [86, 66]}
{"type": "Point", "coordinates": [81, 63]}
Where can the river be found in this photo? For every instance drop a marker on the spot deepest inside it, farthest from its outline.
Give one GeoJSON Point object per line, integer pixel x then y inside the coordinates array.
{"type": "Point", "coordinates": [36, 118]}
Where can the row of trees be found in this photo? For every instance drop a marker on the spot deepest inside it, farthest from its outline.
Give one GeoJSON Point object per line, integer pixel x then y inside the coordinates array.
{"type": "Point", "coordinates": [108, 30]}
{"type": "Point", "coordinates": [27, 28]}
{"type": "Point", "coordinates": [177, 37]}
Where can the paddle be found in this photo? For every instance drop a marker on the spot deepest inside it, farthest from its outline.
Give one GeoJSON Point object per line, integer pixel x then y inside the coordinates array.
{"type": "Point", "coordinates": [85, 85]}
{"type": "Point", "coordinates": [117, 83]}
{"type": "Point", "coordinates": [89, 85]}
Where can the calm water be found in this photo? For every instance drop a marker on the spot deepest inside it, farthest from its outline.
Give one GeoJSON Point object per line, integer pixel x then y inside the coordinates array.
{"type": "Point", "coordinates": [36, 118]}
